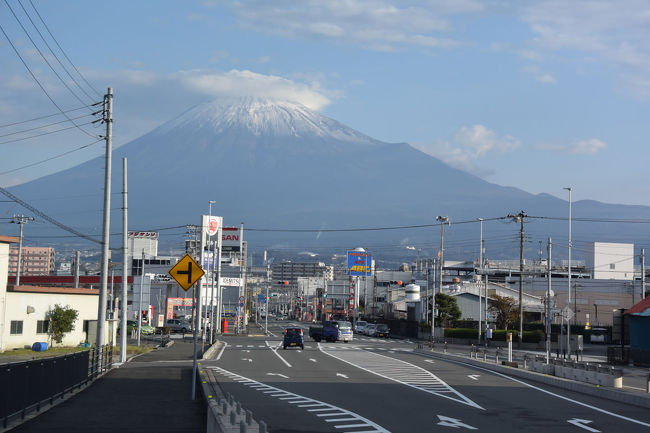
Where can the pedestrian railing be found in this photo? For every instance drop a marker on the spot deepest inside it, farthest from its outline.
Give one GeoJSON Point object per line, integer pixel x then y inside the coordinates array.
{"type": "Point", "coordinates": [31, 385]}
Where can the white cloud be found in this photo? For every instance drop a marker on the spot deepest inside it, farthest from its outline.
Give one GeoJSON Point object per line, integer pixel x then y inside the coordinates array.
{"type": "Point", "coordinates": [468, 145]}
{"type": "Point", "coordinates": [239, 83]}
{"type": "Point", "coordinates": [374, 24]}
{"type": "Point", "coordinates": [579, 147]}
{"type": "Point", "coordinates": [614, 32]}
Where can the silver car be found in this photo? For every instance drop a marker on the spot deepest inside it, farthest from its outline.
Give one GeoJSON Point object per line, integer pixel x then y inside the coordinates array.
{"type": "Point", "coordinates": [178, 325]}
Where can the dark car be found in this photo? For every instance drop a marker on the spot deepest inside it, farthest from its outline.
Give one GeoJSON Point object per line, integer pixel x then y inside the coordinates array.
{"type": "Point", "coordinates": [293, 338]}
{"type": "Point", "coordinates": [382, 331]}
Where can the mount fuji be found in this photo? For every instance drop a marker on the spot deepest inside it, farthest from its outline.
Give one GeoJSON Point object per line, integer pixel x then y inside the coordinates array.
{"type": "Point", "coordinates": [278, 164]}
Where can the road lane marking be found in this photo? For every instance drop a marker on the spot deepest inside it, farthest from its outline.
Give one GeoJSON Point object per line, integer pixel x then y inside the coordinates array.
{"type": "Point", "coordinates": [597, 409]}
{"type": "Point", "coordinates": [312, 359]}
{"type": "Point", "coordinates": [221, 351]}
{"type": "Point", "coordinates": [474, 376]}
{"type": "Point", "coordinates": [275, 350]}
{"type": "Point", "coordinates": [453, 422]}
{"type": "Point", "coordinates": [581, 423]}
{"type": "Point", "coordinates": [342, 375]}
{"type": "Point", "coordinates": [398, 371]}
{"type": "Point", "coordinates": [360, 422]}
{"type": "Point", "coordinates": [277, 374]}
{"type": "Point", "coordinates": [247, 359]}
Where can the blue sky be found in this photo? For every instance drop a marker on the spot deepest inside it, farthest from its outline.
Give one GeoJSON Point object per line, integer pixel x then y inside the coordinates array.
{"type": "Point", "coordinates": [538, 95]}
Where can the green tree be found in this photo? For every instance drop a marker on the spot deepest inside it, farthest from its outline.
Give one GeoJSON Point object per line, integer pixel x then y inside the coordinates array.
{"type": "Point", "coordinates": [448, 310]}
{"type": "Point", "coordinates": [506, 310]}
{"type": "Point", "coordinates": [61, 321]}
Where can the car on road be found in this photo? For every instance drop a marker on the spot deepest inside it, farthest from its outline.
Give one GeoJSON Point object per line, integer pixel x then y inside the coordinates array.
{"type": "Point", "coordinates": [370, 329]}
{"type": "Point", "coordinates": [178, 325]}
{"type": "Point", "coordinates": [293, 337]}
{"type": "Point", "coordinates": [360, 327]}
{"type": "Point", "coordinates": [132, 325]}
{"type": "Point", "coordinates": [381, 330]}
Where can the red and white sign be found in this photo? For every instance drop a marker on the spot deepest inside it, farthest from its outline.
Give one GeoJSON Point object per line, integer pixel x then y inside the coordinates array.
{"type": "Point", "coordinates": [230, 236]}
{"type": "Point", "coordinates": [213, 226]}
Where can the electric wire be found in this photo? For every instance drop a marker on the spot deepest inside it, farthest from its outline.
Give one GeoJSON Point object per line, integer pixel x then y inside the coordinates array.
{"type": "Point", "coordinates": [50, 132]}
{"type": "Point", "coordinates": [40, 84]}
{"type": "Point", "coordinates": [62, 51]}
{"type": "Point", "coordinates": [52, 51]}
{"type": "Point", "coordinates": [44, 126]}
{"type": "Point", "coordinates": [51, 158]}
{"type": "Point", "coordinates": [41, 53]}
{"type": "Point", "coordinates": [47, 116]}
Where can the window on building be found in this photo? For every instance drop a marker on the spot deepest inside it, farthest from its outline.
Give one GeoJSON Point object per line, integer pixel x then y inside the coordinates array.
{"type": "Point", "coordinates": [42, 326]}
{"type": "Point", "coordinates": [612, 266]}
{"type": "Point", "coordinates": [16, 327]}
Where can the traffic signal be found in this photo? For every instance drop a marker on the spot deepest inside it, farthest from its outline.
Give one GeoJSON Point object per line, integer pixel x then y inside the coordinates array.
{"type": "Point", "coordinates": [283, 283]}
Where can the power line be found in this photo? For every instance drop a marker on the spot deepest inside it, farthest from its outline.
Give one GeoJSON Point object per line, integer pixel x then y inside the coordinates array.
{"type": "Point", "coordinates": [52, 51]}
{"type": "Point", "coordinates": [40, 52]}
{"type": "Point", "coordinates": [44, 126]}
{"type": "Point", "coordinates": [62, 51]}
{"type": "Point", "coordinates": [48, 133]}
{"type": "Point", "coordinates": [45, 117]}
{"type": "Point", "coordinates": [39, 83]}
{"type": "Point", "coordinates": [51, 158]}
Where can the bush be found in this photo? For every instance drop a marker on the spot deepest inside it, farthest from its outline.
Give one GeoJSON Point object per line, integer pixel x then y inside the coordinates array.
{"type": "Point", "coordinates": [461, 333]}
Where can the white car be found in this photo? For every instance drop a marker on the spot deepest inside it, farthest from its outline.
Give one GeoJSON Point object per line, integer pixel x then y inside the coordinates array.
{"type": "Point", "coordinates": [360, 328]}
{"type": "Point", "coordinates": [370, 329]}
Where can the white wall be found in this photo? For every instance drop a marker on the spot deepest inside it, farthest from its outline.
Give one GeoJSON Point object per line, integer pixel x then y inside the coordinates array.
{"type": "Point", "coordinates": [16, 304]}
{"type": "Point", "coordinates": [610, 261]}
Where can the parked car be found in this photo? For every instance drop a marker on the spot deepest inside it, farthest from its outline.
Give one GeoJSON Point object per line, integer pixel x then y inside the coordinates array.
{"type": "Point", "coordinates": [381, 330]}
{"type": "Point", "coordinates": [360, 327]}
{"type": "Point", "coordinates": [370, 329]}
{"type": "Point", "coordinates": [178, 325]}
{"type": "Point", "coordinates": [293, 337]}
{"type": "Point", "coordinates": [132, 325]}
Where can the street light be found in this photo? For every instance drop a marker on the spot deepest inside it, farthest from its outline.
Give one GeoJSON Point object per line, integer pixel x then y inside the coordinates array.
{"type": "Point", "coordinates": [211, 277]}
{"type": "Point", "coordinates": [568, 332]}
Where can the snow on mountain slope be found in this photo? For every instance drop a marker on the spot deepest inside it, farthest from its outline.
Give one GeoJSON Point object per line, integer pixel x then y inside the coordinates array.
{"type": "Point", "coordinates": [263, 117]}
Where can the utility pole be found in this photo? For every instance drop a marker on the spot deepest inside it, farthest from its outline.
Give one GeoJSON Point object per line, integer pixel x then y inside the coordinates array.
{"type": "Point", "coordinates": [20, 220]}
{"type": "Point", "coordinates": [77, 268]}
{"type": "Point", "coordinates": [642, 273]}
{"type": "Point", "coordinates": [433, 301]}
{"type": "Point", "coordinates": [548, 305]}
{"type": "Point", "coordinates": [125, 267]}
{"type": "Point", "coordinates": [568, 321]}
{"type": "Point", "coordinates": [106, 224]}
{"type": "Point", "coordinates": [443, 220]}
{"type": "Point", "coordinates": [520, 217]}
{"type": "Point", "coordinates": [140, 302]}
{"type": "Point", "coordinates": [480, 266]}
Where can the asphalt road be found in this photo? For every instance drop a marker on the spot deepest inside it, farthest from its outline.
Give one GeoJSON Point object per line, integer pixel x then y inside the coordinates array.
{"type": "Point", "coordinates": [377, 385]}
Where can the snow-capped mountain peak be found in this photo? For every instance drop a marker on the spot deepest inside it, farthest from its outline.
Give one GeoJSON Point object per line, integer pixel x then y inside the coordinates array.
{"type": "Point", "coordinates": [263, 117]}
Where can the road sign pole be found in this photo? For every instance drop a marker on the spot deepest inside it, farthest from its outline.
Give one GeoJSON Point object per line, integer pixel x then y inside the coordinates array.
{"type": "Point", "coordinates": [196, 327]}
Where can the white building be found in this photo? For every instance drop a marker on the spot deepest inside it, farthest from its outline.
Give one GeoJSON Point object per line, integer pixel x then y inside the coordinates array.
{"type": "Point", "coordinates": [24, 309]}
{"type": "Point", "coordinates": [610, 261]}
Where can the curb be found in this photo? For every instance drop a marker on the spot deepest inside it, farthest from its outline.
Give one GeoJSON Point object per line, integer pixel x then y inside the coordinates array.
{"type": "Point", "coordinates": [640, 400]}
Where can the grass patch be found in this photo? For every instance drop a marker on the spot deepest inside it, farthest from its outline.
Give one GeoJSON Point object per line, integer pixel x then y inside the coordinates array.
{"type": "Point", "coordinates": [50, 352]}
{"type": "Point", "coordinates": [133, 350]}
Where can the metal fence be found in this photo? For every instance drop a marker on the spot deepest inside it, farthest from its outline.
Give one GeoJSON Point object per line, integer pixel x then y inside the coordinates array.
{"type": "Point", "coordinates": [30, 385]}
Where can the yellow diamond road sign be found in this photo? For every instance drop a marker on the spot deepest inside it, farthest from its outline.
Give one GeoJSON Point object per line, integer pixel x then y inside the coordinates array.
{"type": "Point", "coordinates": [186, 272]}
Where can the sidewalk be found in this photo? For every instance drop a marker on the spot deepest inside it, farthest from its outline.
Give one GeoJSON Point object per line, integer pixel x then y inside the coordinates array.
{"type": "Point", "coordinates": [149, 394]}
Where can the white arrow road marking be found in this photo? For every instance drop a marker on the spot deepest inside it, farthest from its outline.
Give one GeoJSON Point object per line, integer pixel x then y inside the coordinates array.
{"type": "Point", "coordinates": [581, 423]}
{"type": "Point", "coordinates": [429, 361]}
{"type": "Point", "coordinates": [474, 376]}
{"type": "Point", "coordinates": [312, 359]}
{"type": "Point", "coordinates": [453, 422]}
{"type": "Point", "coordinates": [247, 351]}
{"type": "Point", "coordinates": [277, 374]}
{"type": "Point", "coordinates": [342, 375]}
{"type": "Point", "coordinates": [247, 359]}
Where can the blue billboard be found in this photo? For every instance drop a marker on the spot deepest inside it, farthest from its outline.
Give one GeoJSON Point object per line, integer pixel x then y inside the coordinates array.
{"type": "Point", "coordinates": [360, 263]}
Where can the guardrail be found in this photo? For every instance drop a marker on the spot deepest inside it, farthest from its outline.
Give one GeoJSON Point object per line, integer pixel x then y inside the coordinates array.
{"type": "Point", "coordinates": [29, 386]}
{"type": "Point", "coordinates": [594, 373]}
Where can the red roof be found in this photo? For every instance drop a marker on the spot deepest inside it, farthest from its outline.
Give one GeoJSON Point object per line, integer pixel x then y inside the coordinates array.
{"type": "Point", "coordinates": [639, 307]}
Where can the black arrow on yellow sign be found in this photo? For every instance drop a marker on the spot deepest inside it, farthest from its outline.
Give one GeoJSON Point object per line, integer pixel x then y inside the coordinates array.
{"type": "Point", "coordinates": [186, 272]}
